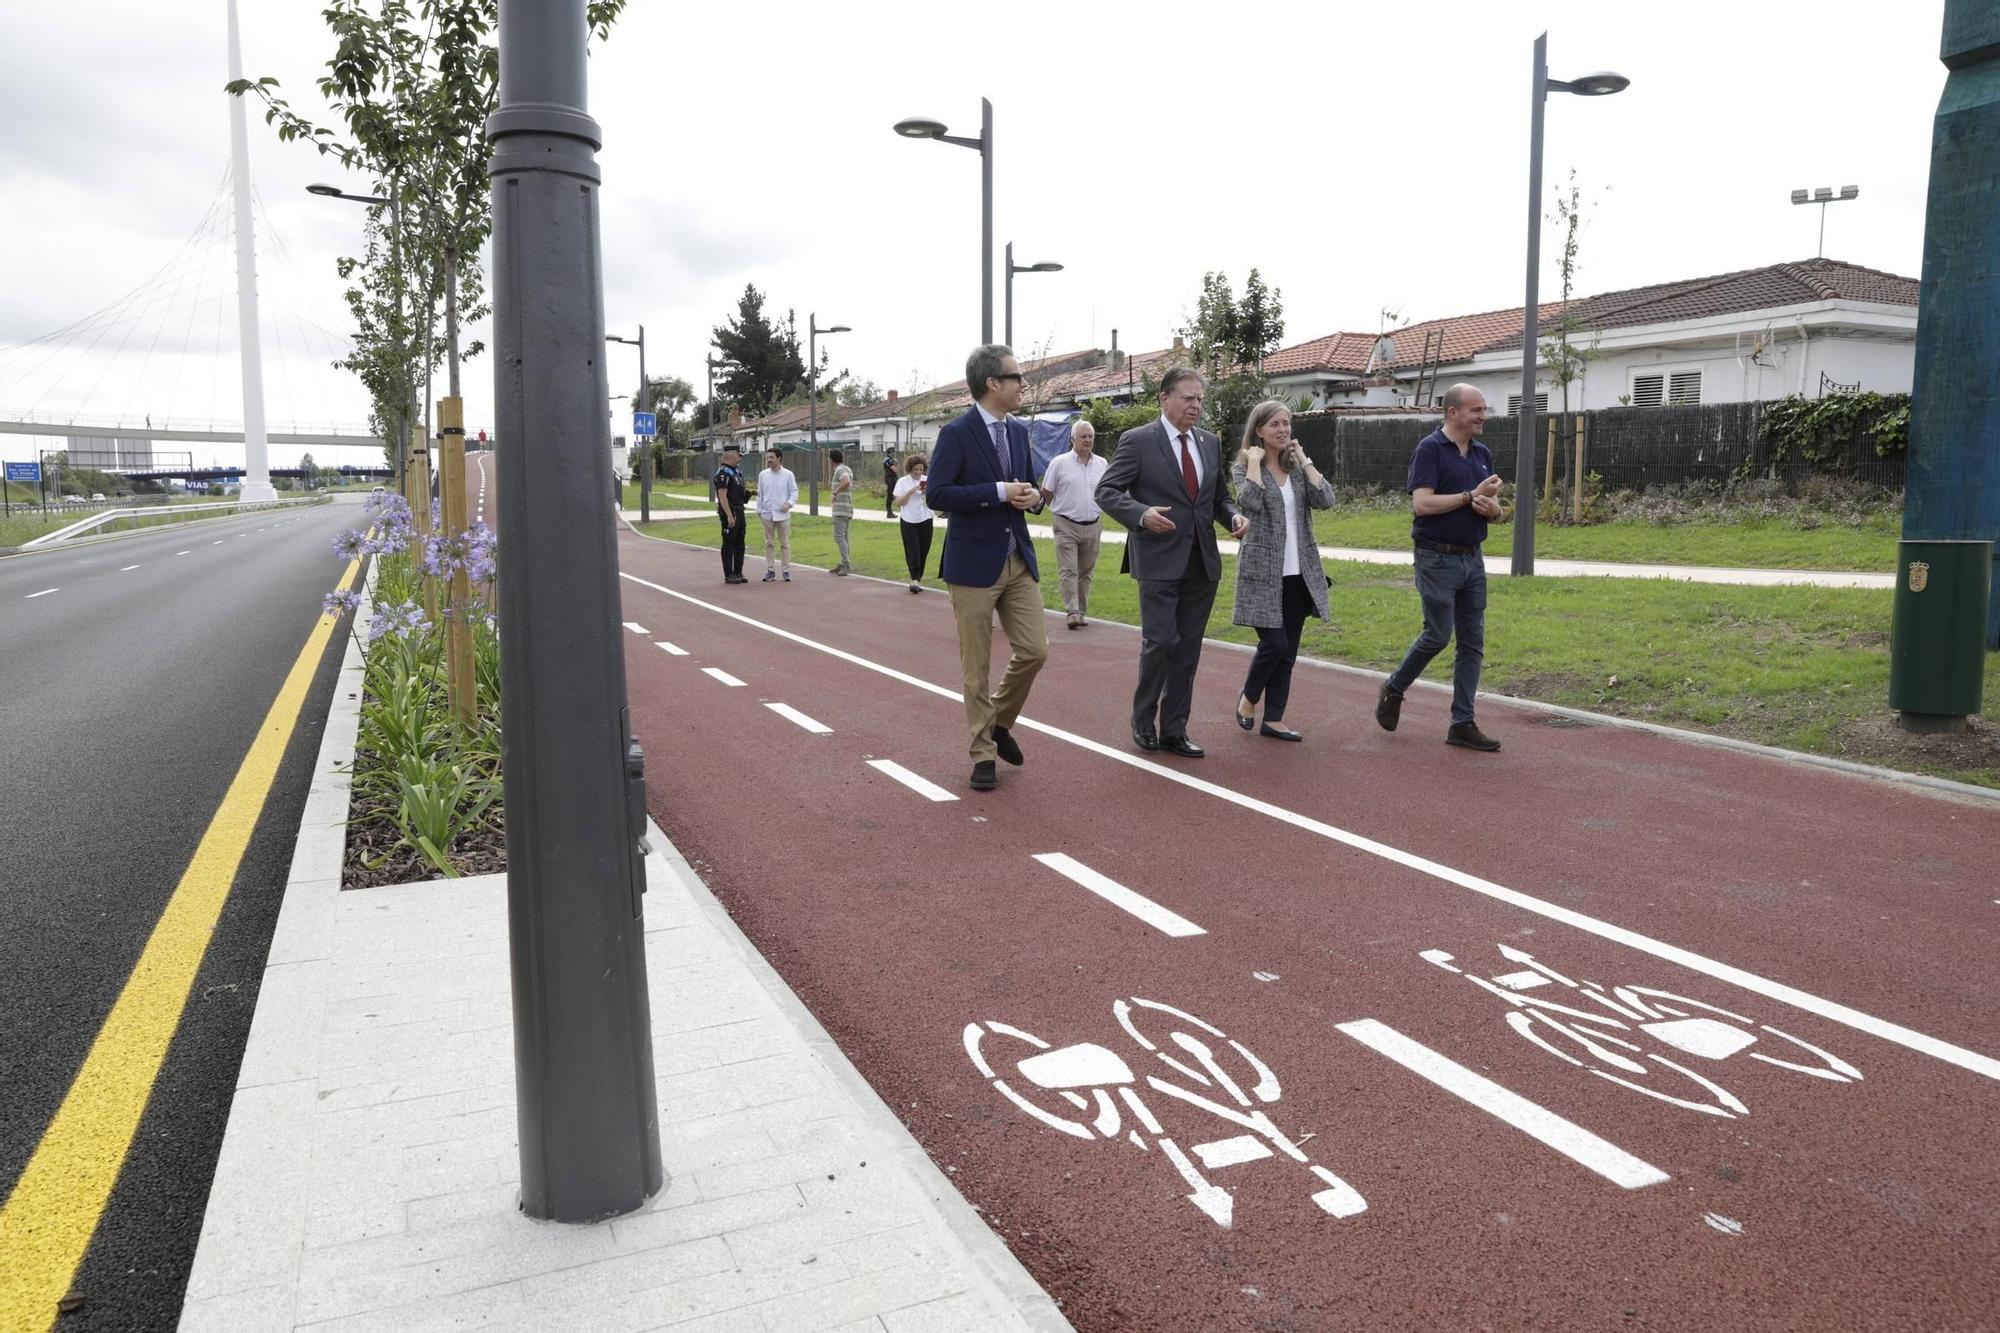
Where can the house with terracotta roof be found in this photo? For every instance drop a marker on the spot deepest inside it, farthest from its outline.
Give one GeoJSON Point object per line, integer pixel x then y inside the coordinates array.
{"type": "Point", "coordinates": [1757, 334]}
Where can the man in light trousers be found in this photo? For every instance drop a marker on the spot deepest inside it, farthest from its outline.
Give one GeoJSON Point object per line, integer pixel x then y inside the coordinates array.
{"type": "Point", "coordinates": [1070, 488]}
{"type": "Point", "coordinates": [777, 492]}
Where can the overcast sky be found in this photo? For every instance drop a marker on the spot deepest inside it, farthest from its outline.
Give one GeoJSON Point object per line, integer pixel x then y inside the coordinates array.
{"type": "Point", "coordinates": [1361, 157]}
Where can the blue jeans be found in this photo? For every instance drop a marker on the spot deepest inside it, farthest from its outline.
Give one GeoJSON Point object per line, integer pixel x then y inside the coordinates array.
{"type": "Point", "coordinates": [1453, 588]}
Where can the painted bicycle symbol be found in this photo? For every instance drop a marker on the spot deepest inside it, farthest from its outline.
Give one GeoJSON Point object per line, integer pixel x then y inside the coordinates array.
{"type": "Point", "coordinates": [1646, 1016]}
{"type": "Point", "coordinates": [1071, 1089]}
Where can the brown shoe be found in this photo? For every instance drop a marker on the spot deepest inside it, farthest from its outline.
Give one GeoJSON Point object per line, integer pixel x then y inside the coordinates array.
{"type": "Point", "coordinates": [1468, 735]}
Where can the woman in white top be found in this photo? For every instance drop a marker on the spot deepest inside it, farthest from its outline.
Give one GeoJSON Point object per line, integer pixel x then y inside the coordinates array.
{"type": "Point", "coordinates": [777, 492]}
{"type": "Point", "coordinates": [915, 511]}
{"type": "Point", "coordinates": [1278, 575]}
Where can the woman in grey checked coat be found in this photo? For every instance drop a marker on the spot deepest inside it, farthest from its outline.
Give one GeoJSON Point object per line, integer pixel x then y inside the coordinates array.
{"type": "Point", "coordinates": [1279, 579]}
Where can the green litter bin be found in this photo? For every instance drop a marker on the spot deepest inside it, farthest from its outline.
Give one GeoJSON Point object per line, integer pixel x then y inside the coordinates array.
{"type": "Point", "coordinates": [1937, 636]}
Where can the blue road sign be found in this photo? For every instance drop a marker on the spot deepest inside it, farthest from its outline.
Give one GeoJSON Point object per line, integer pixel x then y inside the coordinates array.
{"type": "Point", "coordinates": [24, 472]}
{"type": "Point", "coordinates": [645, 423]}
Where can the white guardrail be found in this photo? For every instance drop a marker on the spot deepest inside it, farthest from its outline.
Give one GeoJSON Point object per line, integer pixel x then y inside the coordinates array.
{"type": "Point", "coordinates": [159, 516]}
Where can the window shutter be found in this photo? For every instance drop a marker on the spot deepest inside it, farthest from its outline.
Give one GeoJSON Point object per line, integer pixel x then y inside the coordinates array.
{"type": "Point", "coordinates": [1514, 404]}
{"type": "Point", "coordinates": [1684, 388]}
{"type": "Point", "coordinates": [1649, 390]}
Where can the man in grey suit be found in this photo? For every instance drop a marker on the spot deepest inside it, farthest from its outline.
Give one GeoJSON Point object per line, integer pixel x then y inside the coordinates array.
{"type": "Point", "coordinates": [1166, 485]}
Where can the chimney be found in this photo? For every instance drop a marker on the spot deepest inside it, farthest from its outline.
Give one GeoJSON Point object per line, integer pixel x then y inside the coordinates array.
{"type": "Point", "coordinates": [892, 395]}
{"type": "Point", "coordinates": [735, 417]}
{"type": "Point", "coordinates": [1116, 361]}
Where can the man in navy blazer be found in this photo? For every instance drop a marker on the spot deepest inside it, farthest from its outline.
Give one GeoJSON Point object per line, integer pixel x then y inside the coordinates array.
{"type": "Point", "coordinates": [982, 475]}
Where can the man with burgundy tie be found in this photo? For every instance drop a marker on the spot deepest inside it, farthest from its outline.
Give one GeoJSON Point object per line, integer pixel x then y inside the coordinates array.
{"type": "Point", "coordinates": [1166, 485]}
{"type": "Point", "coordinates": [982, 476]}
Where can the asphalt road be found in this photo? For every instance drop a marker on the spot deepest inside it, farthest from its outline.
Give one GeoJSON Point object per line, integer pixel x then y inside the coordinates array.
{"type": "Point", "coordinates": [133, 676]}
{"type": "Point", "coordinates": [1606, 1030]}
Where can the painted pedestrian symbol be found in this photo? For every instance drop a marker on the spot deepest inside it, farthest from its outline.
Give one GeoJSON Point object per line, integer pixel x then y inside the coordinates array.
{"type": "Point", "coordinates": [1071, 1089]}
{"type": "Point", "coordinates": [1646, 1018]}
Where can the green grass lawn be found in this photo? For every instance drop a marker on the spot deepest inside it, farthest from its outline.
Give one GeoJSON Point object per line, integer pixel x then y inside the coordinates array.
{"type": "Point", "coordinates": [1748, 543]}
{"type": "Point", "coordinates": [1803, 668]}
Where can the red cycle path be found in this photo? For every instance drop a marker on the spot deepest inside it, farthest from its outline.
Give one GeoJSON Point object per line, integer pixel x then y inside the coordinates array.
{"type": "Point", "coordinates": [1829, 1202]}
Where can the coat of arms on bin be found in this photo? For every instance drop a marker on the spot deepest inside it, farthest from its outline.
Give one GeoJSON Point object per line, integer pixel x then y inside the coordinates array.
{"type": "Point", "coordinates": [1920, 575]}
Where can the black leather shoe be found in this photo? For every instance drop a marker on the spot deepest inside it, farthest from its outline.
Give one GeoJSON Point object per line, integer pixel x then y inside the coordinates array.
{"type": "Point", "coordinates": [984, 778]}
{"type": "Point", "coordinates": [1009, 748]}
{"type": "Point", "coordinates": [1145, 738]}
{"type": "Point", "coordinates": [1181, 746]}
{"type": "Point", "coordinates": [1280, 733]}
{"type": "Point", "coordinates": [1470, 736]}
{"type": "Point", "coordinates": [1247, 723]}
{"type": "Point", "coordinates": [1388, 708]}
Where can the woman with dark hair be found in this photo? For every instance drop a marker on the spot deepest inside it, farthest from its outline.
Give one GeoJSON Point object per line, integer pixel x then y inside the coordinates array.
{"type": "Point", "coordinates": [915, 512]}
{"type": "Point", "coordinates": [1278, 575]}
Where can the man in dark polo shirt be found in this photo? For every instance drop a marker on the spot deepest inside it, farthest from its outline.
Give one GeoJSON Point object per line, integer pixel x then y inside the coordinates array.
{"type": "Point", "coordinates": [1453, 491]}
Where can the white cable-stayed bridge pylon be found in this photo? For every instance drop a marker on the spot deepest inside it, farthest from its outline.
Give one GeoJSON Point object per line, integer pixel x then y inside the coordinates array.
{"type": "Point", "coordinates": [160, 361]}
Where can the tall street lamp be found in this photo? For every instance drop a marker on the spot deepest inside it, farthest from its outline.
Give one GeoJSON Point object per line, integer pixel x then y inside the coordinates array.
{"type": "Point", "coordinates": [585, 1097]}
{"type": "Point", "coordinates": [1601, 84]}
{"type": "Point", "coordinates": [395, 203]}
{"type": "Point", "coordinates": [640, 404]}
{"type": "Point", "coordinates": [1012, 269]}
{"type": "Point", "coordinates": [813, 330]}
{"type": "Point", "coordinates": [920, 127]}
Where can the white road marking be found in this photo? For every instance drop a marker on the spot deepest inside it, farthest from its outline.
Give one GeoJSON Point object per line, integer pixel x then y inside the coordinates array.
{"type": "Point", "coordinates": [1148, 911]}
{"type": "Point", "coordinates": [1573, 1141]}
{"type": "Point", "coordinates": [215, 543]}
{"type": "Point", "coordinates": [180, 552]}
{"type": "Point", "coordinates": [792, 714]}
{"type": "Point", "coordinates": [921, 786]}
{"type": "Point", "coordinates": [1728, 1226]}
{"type": "Point", "coordinates": [636, 627]}
{"type": "Point", "coordinates": [43, 593]}
{"type": "Point", "coordinates": [670, 649]}
{"type": "Point", "coordinates": [128, 569]}
{"type": "Point", "coordinates": [1830, 1010]}
{"type": "Point", "coordinates": [722, 676]}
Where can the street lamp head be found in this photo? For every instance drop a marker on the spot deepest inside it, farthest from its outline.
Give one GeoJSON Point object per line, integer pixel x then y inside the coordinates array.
{"type": "Point", "coordinates": [838, 328]}
{"type": "Point", "coordinates": [318, 187]}
{"type": "Point", "coordinates": [1044, 268]}
{"type": "Point", "coordinates": [1801, 197]}
{"type": "Point", "coordinates": [920, 127]}
{"type": "Point", "coordinates": [1601, 84]}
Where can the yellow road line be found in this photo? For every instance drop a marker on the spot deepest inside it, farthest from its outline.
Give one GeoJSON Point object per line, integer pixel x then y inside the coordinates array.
{"type": "Point", "coordinates": [47, 1222]}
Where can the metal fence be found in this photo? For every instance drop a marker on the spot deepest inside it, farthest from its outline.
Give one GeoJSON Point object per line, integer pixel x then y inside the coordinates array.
{"type": "Point", "coordinates": [1630, 448]}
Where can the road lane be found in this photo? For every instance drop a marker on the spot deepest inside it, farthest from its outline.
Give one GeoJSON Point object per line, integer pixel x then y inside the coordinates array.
{"type": "Point", "coordinates": [132, 698]}
{"type": "Point", "coordinates": [868, 914]}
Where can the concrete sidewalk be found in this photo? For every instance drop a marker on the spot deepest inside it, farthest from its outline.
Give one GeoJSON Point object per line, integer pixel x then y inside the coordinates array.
{"type": "Point", "coordinates": [676, 507]}
{"type": "Point", "coordinates": [368, 1178]}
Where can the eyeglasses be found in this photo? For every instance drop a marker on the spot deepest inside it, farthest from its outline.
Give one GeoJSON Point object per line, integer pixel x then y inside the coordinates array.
{"type": "Point", "coordinates": [1014, 375]}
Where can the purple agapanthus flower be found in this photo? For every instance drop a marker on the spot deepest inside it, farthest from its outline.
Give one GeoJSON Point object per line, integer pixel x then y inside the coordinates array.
{"type": "Point", "coordinates": [398, 619]}
{"type": "Point", "coordinates": [349, 544]}
{"type": "Point", "coordinates": [340, 603]}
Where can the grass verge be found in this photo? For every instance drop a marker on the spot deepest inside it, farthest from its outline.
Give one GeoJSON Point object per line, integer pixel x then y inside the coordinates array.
{"type": "Point", "coordinates": [1802, 668]}
{"type": "Point", "coordinates": [1735, 542]}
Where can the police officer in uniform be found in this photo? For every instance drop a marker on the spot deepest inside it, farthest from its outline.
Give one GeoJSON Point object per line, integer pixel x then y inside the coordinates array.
{"type": "Point", "coordinates": [731, 497]}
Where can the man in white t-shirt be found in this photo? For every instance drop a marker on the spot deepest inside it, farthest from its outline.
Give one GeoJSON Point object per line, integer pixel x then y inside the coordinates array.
{"type": "Point", "coordinates": [1070, 488]}
{"type": "Point", "coordinates": [777, 492]}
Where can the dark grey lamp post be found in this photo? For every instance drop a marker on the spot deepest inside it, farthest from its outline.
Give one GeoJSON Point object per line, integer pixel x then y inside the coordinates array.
{"type": "Point", "coordinates": [640, 404]}
{"type": "Point", "coordinates": [813, 330]}
{"type": "Point", "coordinates": [575, 788]}
{"type": "Point", "coordinates": [1012, 269]}
{"type": "Point", "coordinates": [920, 127]}
{"type": "Point", "coordinates": [402, 422]}
{"type": "Point", "coordinates": [1601, 84]}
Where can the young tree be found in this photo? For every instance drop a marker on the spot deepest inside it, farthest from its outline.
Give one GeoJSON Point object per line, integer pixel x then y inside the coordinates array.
{"type": "Point", "coordinates": [412, 82]}
{"type": "Point", "coordinates": [1228, 340]}
{"type": "Point", "coordinates": [1563, 358]}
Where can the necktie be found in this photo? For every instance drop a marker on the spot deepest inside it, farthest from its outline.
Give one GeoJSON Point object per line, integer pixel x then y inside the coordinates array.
{"type": "Point", "coordinates": [1187, 470]}
{"type": "Point", "coordinates": [1000, 460]}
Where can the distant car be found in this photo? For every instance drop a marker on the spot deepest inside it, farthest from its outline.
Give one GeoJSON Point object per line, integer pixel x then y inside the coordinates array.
{"type": "Point", "coordinates": [74, 500]}
{"type": "Point", "coordinates": [378, 488]}
{"type": "Point", "coordinates": [97, 499]}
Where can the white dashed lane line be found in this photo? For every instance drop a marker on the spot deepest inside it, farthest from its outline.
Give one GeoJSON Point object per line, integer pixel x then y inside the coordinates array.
{"type": "Point", "coordinates": [43, 593]}
{"type": "Point", "coordinates": [128, 569]}
{"type": "Point", "coordinates": [922, 786]}
{"type": "Point", "coordinates": [722, 676]}
{"type": "Point", "coordinates": [1148, 911]}
{"type": "Point", "coordinates": [670, 649]}
{"type": "Point", "coordinates": [792, 714]}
